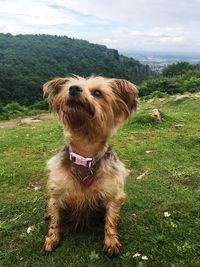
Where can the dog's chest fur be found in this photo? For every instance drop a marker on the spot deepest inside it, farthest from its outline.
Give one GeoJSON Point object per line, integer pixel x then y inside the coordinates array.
{"type": "Point", "coordinates": [65, 182]}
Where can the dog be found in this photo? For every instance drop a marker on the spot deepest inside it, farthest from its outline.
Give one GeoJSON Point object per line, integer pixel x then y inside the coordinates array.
{"type": "Point", "coordinates": [86, 176]}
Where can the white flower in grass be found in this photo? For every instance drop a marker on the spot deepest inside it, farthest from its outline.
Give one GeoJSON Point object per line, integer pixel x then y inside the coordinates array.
{"type": "Point", "coordinates": [149, 151]}
{"type": "Point", "coordinates": [29, 229]}
{"type": "Point", "coordinates": [37, 188]}
{"type": "Point", "coordinates": [167, 214]}
{"type": "Point", "coordinates": [136, 255]}
{"type": "Point", "coordinates": [144, 258]}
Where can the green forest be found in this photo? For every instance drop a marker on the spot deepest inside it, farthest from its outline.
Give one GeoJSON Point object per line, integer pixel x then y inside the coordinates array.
{"type": "Point", "coordinates": [28, 61]}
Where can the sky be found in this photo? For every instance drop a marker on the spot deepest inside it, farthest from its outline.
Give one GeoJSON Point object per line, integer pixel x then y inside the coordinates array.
{"type": "Point", "coordinates": [137, 25]}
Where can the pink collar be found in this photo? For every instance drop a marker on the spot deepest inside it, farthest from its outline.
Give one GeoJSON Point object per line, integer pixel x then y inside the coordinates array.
{"type": "Point", "coordinates": [86, 162]}
{"type": "Point", "coordinates": [80, 160]}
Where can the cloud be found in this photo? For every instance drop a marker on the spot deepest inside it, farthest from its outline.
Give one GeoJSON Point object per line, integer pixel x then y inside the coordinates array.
{"type": "Point", "coordinates": [140, 24]}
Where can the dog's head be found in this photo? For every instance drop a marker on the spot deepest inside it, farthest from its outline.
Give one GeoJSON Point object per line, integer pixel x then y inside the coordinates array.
{"type": "Point", "coordinates": [92, 107]}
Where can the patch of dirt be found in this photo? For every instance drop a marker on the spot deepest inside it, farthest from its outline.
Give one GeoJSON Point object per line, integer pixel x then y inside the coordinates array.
{"type": "Point", "coordinates": [26, 121]}
{"type": "Point", "coordinates": [29, 121]}
{"type": "Point", "coordinates": [35, 183]}
{"type": "Point", "coordinates": [136, 139]}
{"type": "Point", "coordinates": [189, 95]}
{"type": "Point", "coordinates": [8, 124]}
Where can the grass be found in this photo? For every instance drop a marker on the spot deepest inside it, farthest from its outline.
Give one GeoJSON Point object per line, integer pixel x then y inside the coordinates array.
{"type": "Point", "coordinates": [168, 155]}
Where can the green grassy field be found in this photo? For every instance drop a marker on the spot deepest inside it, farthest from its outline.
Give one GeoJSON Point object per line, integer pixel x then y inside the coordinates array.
{"type": "Point", "coordinates": [167, 155]}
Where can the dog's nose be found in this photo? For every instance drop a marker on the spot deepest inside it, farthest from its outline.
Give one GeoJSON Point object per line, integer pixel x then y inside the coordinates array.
{"type": "Point", "coordinates": [74, 90]}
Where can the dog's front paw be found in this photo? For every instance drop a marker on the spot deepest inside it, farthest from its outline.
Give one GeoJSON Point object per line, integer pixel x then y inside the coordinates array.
{"type": "Point", "coordinates": [50, 243]}
{"type": "Point", "coordinates": [112, 247]}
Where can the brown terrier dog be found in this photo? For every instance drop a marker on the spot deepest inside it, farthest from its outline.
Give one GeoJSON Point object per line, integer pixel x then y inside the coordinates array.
{"type": "Point", "coordinates": [86, 176]}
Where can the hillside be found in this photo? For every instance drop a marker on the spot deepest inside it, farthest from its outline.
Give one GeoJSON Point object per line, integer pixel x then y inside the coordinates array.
{"type": "Point", "coordinates": [27, 61]}
{"type": "Point", "coordinates": [160, 217]}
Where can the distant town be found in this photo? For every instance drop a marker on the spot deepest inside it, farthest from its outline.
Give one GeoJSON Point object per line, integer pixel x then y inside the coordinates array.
{"type": "Point", "coordinates": [158, 60]}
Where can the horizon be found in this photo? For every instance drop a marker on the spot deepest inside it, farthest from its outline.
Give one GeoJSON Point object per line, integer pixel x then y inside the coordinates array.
{"type": "Point", "coordinates": [167, 26]}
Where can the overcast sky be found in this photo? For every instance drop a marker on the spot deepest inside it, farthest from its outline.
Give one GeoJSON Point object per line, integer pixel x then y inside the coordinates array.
{"type": "Point", "coordinates": [152, 25]}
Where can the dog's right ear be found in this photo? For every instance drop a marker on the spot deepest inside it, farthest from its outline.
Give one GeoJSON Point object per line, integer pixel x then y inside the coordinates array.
{"type": "Point", "coordinates": [54, 86]}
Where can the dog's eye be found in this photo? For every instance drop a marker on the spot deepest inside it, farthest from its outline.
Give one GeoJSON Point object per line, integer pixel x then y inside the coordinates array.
{"type": "Point", "coordinates": [97, 93]}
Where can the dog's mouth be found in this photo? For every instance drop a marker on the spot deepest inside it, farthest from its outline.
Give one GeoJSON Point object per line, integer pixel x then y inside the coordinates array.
{"type": "Point", "coordinates": [77, 104]}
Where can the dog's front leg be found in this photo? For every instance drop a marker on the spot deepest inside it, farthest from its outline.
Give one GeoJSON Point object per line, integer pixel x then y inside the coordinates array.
{"type": "Point", "coordinates": [53, 237]}
{"type": "Point", "coordinates": [112, 245]}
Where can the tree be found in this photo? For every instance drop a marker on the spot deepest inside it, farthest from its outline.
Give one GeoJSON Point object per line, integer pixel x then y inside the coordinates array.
{"type": "Point", "coordinates": [176, 69]}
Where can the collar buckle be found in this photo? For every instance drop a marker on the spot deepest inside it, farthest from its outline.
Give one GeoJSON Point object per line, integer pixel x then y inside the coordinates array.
{"type": "Point", "coordinates": [80, 160]}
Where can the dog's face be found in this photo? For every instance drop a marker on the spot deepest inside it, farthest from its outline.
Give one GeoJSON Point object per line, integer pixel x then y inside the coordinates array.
{"type": "Point", "coordinates": [91, 107]}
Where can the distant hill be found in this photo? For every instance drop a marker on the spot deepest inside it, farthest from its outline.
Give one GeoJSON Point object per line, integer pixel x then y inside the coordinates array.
{"type": "Point", "coordinates": [27, 61]}
{"type": "Point", "coordinates": [176, 78]}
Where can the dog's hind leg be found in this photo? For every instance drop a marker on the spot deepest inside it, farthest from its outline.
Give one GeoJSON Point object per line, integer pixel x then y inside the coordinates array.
{"type": "Point", "coordinates": [53, 237]}
{"type": "Point", "coordinates": [112, 245]}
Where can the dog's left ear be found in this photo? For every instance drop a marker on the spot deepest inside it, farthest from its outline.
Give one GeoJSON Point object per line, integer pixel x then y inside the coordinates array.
{"type": "Point", "coordinates": [54, 86]}
{"type": "Point", "coordinates": [126, 96]}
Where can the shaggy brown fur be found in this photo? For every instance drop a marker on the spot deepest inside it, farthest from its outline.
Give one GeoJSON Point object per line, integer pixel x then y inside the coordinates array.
{"type": "Point", "coordinates": [89, 117]}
